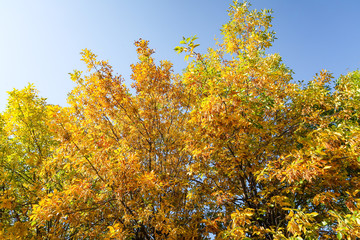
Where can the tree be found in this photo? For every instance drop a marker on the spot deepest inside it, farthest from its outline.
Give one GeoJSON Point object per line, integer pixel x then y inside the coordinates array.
{"type": "Point", "coordinates": [124, 156]}
{"type": "Point", "coordinates": [231, 149]}
{"type": "Point", "coordinates": [25, 149]}
{"type": "Point", "coordinates": [277, 157]}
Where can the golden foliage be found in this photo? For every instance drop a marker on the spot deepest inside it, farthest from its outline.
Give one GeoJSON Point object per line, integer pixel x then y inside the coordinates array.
{"type": "Point", "coordinates": [230, 149]}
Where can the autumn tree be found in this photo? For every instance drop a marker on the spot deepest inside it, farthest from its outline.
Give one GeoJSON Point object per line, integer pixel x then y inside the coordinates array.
{"type": "Point", "coordinates": [25, 147]}
{"type": "Point", "coordinates": [124, 155]}
{"type": "Point", "coordinates": [233, 148]}
{"type": "Point", "coordinates": [279, 159]}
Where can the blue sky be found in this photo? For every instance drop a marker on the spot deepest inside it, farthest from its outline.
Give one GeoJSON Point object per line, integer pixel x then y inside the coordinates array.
{"type": "Point", "coordinates": [41, 40]}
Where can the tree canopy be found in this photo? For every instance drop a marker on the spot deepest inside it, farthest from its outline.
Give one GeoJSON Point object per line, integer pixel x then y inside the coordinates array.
{"type": "Point", "coordinates": [232, 148]}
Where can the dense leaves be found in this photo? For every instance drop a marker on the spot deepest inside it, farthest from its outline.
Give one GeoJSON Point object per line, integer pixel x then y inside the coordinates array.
{"type": "Point", "coordinates": [26, 147]}
{"type": "Point", "coordinates": [232, 148]}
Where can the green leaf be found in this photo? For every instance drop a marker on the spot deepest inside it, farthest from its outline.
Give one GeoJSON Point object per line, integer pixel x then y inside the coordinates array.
{"type": "Point", "coordinates": [179, 49]}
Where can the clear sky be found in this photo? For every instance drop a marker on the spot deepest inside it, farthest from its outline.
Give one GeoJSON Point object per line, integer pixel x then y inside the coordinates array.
{"type": "Point", "coordinates": [40, 40]}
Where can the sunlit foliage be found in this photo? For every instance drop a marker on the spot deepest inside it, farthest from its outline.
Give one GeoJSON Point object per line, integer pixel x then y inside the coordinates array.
{"type": "Point", "coordinates": [233, 148]}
